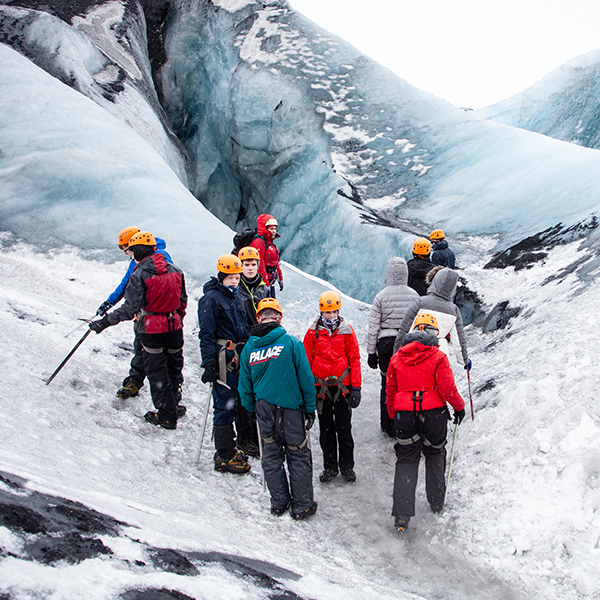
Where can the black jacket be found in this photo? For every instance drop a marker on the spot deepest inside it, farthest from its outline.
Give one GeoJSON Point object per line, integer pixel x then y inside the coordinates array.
{"type": "Point", "coordinates": [442, 255]}
{"type": "Point", "coordinates": [252, 292]}
{"type": "Point", "coordinates": [417, 270]}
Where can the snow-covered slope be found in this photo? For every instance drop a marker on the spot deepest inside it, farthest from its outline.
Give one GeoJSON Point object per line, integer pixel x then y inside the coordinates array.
{"type": "Point", "coordinates": [562, 105]}
{"type": "Point", "coordinates": [522, 514]}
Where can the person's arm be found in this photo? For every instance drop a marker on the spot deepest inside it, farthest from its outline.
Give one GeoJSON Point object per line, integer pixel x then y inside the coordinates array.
{"type": "Point", "coordinates": [134, 296]}
{"type": "Point", "coordinates": [446, 387]}
{"type": "Point", "coordinates": [245, 385]}
{"type": "Point", "coordinates": [461, 336]}
{"type": "Point", "coordinates": [306, 379]}
{"type": "Point", "coordinates": [208, 313]}
{"type": "Point", "coordinates": [407, 321]}
{"type": "Point", "coordinates": [374, 326]}
{"type": "Point", "coordinates": [309, 346]}
{"type": "Point", "coordinates": [390, 389]}
{"type": "Point", "coordinates": [120, 289]}
{"type": "Point", "coordinates": [353, 354]}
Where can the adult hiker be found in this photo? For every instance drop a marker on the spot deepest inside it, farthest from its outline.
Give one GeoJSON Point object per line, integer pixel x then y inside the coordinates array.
{"type": "Point", "coordinates": [419, 265]}
{"type": "Point", "coordinates": [420, 384]}
{"type": "Point", "coordinates": [223, 332]}
{"type": "Point", "coordinates": [276, 382]}
{"type": "Point", "coordinates": [135, 380]}
{"type": "Point", "coordinates": [252, 287]}
{"type": "Point", "coordinates": [156, 295]}
{"type": "Point", "coordinates": [438, 302]}
{"type": "Point", "coordinates": [264, 242]}
{"type": "Point", "coordinates": [332, 351]}
{"type": "Point", "coordinates": [387, 312]}
{"type": "Point", "coordinates": [441, 255]}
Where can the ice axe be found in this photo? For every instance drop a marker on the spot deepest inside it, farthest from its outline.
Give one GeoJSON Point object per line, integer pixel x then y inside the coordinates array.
{"type": "Point", "coordinates": [85, 322]}
{"type": "Point", "coordinates": [470, 395]}
{"type": "Point", "coordinates": [208, 396]}
{"type": "Point", "coordinates": [451, 457]}
{"type": "Point", "coordinates": [64, 362]}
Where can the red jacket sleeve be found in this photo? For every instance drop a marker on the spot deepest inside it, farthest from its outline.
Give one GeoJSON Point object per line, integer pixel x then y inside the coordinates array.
{"type": "Point", "coordinates": [353, 354]}
{"type": "Point", "coordinates": [391, 387]}
{"type": "Point", "coordinates": [261, 246]}
{"type": "Point", "coordinates": [446, 387]}
{"type": "Point", "coordinates": [309, 346]}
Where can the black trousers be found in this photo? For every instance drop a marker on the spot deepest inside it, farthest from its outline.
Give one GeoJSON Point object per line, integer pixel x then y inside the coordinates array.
{"type": "Point", "coordinates": [163, 362]}
{"type": "Point", "coordinates": [419, 432]}
{"type": "Point", "coordinates": [385, 351]}
{"type": "Point", "coordinates": [284, 440]}
{"type": "Point", "coordinates": [137, 370]}
{"type": "Point", "coordinates": [335, 425]}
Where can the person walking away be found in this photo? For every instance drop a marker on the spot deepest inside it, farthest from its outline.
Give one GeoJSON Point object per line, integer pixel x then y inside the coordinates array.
{"type": "Point", "coordinates": [334, 357]}
{"type": "Point", "coordinates": [441, 255]}
{"type": "Point", "coordinates": [264, 242]}
{"type": "Point", "coordinates": [156, 294]}
{"type": "Point", "coordinates": [420, 384]}
{"type": "Point", "coordinates": [387, 312]}
{"type": "Point", "coordinates": [135, 380]}
{"type": "Point", "coordinates": [277, 384]}
{"type": "Point", "coordinates": [419, 265]}
{"type": "Point", "coordinates": [223, 332]}
{"type": "Point", "coordinates": [438, 302]}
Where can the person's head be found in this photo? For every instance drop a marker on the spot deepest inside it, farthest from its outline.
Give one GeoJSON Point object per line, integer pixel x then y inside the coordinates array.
{"type": "Point", "coordinates": [271, 226]}
{"type": "Point", "coordinates": [142, 244]}
{"type": "Point", "coordinates": [330, 304]}
{"type": "Point", "coordinates": [124, 237]}
{"type": "Point", "coordinates": [426, 323]}
{"type": "Point", "coordinates": [421, 248]}
{"type": "Point", "coordinates": [250, 261]}
{"type": "Point", "coordinates": [229, 270]}
{"type": "Point", "coordinates": [269, 311]}
{"type": "Point", "coordinates": [437, 235]}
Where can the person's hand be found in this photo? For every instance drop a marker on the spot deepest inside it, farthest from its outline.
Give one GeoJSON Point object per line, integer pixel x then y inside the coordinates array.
{"type": "Point", "coordinates": [104, 308]}
{"type": "Point", "coordinates": [354, 397]}
{"type": "Point", "coordinates": [211, 373]}
{"type": "Point", "coordinates": [280, 282]}
{"type": "Point", "coordinates": [459, 415]}
{"type": "Point", "coordinates": [468, 365]}
{"type": "Point", "coordinates": [100, 325]}
{"type": "Point", "coordinates": [373, 361]}
{"type": "Point", "coordinates": [310, 420]}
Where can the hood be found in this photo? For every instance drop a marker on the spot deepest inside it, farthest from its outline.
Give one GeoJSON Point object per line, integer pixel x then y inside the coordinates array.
{"type": "Point", "coordinates": [261, 227]}
{"type": "Point", "coordinates": [440, 245]}
{"type": "Point", "coordinates": [444, 284]}
{"type": "Point", "coordinates": [427, 339]}
{"type": "Point", "coordinates": [397, 272]}
{"type": "Point", "coordinates": [265, 334]}
{"type": "Point", "coordinates": [214, 284]}
{"type": "Point", "coordinates": [415, 352]}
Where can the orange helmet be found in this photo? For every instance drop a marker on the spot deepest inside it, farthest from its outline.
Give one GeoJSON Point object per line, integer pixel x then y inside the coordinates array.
{"type": "Point", "coordinates": [425, 320]}
{"type": "Point", "coordinates": [422, 246]}
{"type": "Point", "coordinates": [437, 234]}
{"type": "Point", "coordinates": [329, 301]}
{"type": "Point", "coordinates": [125, 236]}
{"type": "Point", "coordinates": [229, 263]}
{"type": "Point", "coordinates": [142, 238]}
{"type": "Point", "coordinates": [248, 253]}
{"type": "Point", "coordinates": [269, 303]}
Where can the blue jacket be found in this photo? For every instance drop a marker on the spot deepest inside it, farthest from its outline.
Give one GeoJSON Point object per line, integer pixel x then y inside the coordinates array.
{"type": "Point", "coordinates": [221, 315]}
{"type": "Point", "coordinates": [442, 255]}
{"type": "Point", "coordinates": [274, 367]}
{"type": "Point", "coordinates": [120, 289]}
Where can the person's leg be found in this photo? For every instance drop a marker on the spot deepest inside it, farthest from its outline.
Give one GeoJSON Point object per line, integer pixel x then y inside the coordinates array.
{"type": "Point", "coordinates": [385, 350]}
{"type": "Point", "coordinates": [434, 448]}
{"type": "Point", "coordinates": [408, 453]}
{"type": "Point", "coordinates": [342, 415]}
{"type": "Point", "coordinates": [327, 436]}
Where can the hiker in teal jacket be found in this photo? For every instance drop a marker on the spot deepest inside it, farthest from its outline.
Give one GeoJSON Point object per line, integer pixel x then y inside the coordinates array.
{"type": "Point", "coordinates": [276, 382]}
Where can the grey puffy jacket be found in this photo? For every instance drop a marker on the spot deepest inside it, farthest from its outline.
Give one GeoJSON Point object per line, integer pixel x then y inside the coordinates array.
{"type": "Point", "coordinates": [438, 302]}
{"type": "Point", "coordinates": [390, 304]}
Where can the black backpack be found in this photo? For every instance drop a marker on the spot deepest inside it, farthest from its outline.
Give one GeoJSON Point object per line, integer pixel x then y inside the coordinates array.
{"type": "Point", "coordinates": [242, 239]}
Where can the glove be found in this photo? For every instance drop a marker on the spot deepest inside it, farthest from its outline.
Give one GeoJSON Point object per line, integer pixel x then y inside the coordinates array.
{"type": "Point", "coordinates": [459, 415]}
{"type": "Point", "coordinates": [100, 325]}
{"type": "Point", "coordinates": [103, 308]}
{"type": "Point", "coordinates": [280, 282]}
{"type": "Point", "coordinates": [310, 419]}
{"type": "Point", "coordinates": [373, 361]}
{"type": "Point", "coordinates": [211, 373]}
{"type": "Point", "coordinates": [468, 365]}
{"type": "Point", "coordinates": [354, 397]}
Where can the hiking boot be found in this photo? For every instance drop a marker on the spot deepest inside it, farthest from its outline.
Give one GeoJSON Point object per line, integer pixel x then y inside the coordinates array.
{"type": "Point", "coordinates": [327, 475]}
{"type": "Point", "coordinates": [437, 508]}
{"type": "Point", "coordinates": [153, 418]}
{"type": "Point", "coordinates": [181, 410]}
{"type": "Point", "coordinates": [130, 389]}
{"type": "Point", "coordinates": [279, 511]}
{"type": "Point", "coordinates": [349, 475]}
{"type": "Point", "coordinates": [236, 464]}
{"type": "Point", "coordinates": [401, 522]}
{"type": "Point", "coordinates": [309, 512]}
{"type": "Point", "coordinates": [248, 447]}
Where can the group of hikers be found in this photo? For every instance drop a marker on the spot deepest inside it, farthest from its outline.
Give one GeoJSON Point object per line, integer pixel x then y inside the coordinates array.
{"type": "Point", "coordinates": [268, 386]}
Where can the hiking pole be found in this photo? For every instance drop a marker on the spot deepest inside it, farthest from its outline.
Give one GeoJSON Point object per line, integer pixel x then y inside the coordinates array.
{"type": "Point", "coordinates": [64, 362]}
{"type": "Point", "coordinates": [204, 426]}
{"type": "Point", "coordinates": [470, 395]}
{"type": "Point", "coordinates": [85, 321]}
{"type": "Point", "coordinates": [451, 457]}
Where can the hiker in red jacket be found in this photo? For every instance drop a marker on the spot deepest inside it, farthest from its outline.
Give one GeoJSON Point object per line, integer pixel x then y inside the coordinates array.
{"type": "Point", "coordinates": [269, 268]}
{"type": "Point", "coordinates": [332, 351]}
{"type": "Point", "coordinates": [420, 383]}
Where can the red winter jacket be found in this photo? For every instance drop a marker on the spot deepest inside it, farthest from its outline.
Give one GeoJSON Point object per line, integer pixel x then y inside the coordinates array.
{"type": "Point", "coordinates": [417, 367]}
{"type": "Point", "coordinates": [269, 254]}
{"type": "Point", "coordinates": [330, 353]}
